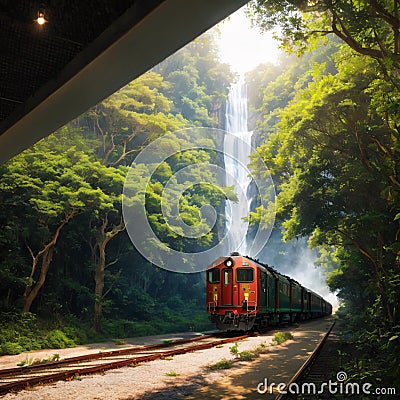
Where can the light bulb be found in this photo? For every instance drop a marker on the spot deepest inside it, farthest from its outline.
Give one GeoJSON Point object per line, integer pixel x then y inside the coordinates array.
{"type": "Point", "coordinates": [41, 20]}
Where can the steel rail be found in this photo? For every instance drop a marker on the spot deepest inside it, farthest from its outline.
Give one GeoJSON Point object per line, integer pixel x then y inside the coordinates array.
{"type": "Point", "coordinates": [69, 374]}
{"type": "Point", "coordinates": [95, 356]}
{"type": "Point", "coordinates": [306, 364]}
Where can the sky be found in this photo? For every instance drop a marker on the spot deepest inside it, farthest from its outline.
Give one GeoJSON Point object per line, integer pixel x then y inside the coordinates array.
{"type": "Point", "coordinates": [244, 47]}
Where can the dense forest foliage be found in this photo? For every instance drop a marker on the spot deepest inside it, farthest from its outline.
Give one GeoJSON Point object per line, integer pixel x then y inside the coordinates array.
{"type": "Point", "coordinates": [328, 128]}
{"type": "Point", "coordinates": [327, 125]}
{"type": "Point", "coordinates": [67, 262]}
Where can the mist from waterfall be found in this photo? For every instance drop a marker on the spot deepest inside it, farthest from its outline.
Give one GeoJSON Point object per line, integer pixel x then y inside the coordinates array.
{"type": "Point", "coordinates": [236, 158]}
{"type": "Point", "coordinates": [293, 258]}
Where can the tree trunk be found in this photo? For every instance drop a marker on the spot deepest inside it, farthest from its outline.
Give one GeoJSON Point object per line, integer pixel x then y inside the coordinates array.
{"type": "Point", "coordinates": [99, 285]}
{"type": "Point", "coordinates": [46, 255]}
{"type": "Point", "coordinates": [34, 290]}
{"type": "Point", "coordinates": [103, 238]}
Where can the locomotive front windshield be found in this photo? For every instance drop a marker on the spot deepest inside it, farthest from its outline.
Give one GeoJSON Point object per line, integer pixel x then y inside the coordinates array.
{"type": "Point", "coordinates": [214, 275]}
{"type": "Point", "coordinates": [244, 275]}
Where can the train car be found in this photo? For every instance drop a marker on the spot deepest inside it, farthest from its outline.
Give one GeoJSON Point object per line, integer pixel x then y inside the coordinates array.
{"type": "Point", "coordinates": [296, 307]}
{"type": "Point", "coordinates": [243, 293]}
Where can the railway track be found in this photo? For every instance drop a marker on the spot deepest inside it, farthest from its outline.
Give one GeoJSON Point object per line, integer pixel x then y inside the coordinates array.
{"type": "Point", "coordinates": [14, 379]}
{"type": "Point", "coordinates": [316, 370]}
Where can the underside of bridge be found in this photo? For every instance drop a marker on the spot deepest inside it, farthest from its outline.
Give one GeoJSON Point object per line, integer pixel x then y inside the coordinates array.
{"type": "Point", "coordinates": [84, 52]}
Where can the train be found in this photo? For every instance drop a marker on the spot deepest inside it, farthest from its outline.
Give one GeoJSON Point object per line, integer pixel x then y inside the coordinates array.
{"type": "Point", "coordinates": [243, 294]}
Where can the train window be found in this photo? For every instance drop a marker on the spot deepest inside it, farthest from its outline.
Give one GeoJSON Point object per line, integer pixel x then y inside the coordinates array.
{"type": "Point", "coordinates": [245, 275]}
{"type": "Point", "coordinates": [213, 275]}
{"type": "Point", "coordinates": [226, 276]}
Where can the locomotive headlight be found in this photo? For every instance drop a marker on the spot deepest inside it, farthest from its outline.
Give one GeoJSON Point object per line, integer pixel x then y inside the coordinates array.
{"type": "Point", "coordinates": [229, 262]}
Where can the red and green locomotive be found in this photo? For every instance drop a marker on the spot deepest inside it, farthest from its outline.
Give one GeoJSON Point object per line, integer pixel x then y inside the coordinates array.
{"type": "Point", "coordinates": [243, 293]}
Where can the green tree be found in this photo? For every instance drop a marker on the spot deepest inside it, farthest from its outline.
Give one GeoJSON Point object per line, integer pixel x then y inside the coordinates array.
{"type": "Point", "coordinates": [132, 118]}
{"type": "Point", "coordinates": [43, 185]}
{"type": "Point", "coordinates": [61, 202]}
{"type": "Point", "coordinates": [370, 27]}
{"type": "Point", "coordinates": [334, 160]}
{"type": "Point", "coordinates": [197, 83]}
{"type": "Point", "coordinates": [105, 223]}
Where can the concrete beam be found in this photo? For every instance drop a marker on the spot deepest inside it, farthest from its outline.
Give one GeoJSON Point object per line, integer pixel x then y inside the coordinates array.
{"type": "Point", "coordinates": [82, 84]}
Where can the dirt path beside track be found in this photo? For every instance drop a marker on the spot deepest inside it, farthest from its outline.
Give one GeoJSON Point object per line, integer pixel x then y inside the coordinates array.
{"type": "Point", "coordinates": [186, 376]}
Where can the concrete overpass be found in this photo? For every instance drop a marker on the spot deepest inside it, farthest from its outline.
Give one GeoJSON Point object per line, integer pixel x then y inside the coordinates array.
{"type": "Point", "coordinates": [87, 50]}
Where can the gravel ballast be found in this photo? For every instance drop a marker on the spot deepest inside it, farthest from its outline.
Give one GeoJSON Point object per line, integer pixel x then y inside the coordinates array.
{"type": "Point", "coordinates": [182, 376]}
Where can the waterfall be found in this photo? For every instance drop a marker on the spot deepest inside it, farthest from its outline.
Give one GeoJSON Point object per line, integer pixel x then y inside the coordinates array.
{"type": "Point", "coordinates": [237, 149]}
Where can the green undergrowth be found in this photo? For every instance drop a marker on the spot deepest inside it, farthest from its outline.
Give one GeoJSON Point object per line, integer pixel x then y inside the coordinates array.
{"type": "Point", "coordinates": [119, 342]}
{"type": "Point", "coordinates": [22, 332]}
{"type": "Point", "coordinates": [223, 364]}
{"type": "Point", "coordinates": [172, 373]}
{"type": "Point", "coordinates": [249, 355]}
{"type": "Point", "coordinates": [281, 337]}
{"type": "Point", "coordinates": [245, 355]}
{"type": "Point", "coordinates": [25, 332]}
{"type": "Point", "coordinates": [29, 360]}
